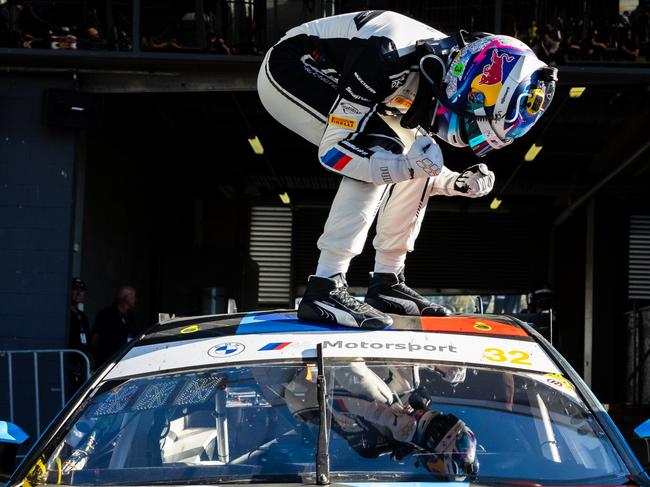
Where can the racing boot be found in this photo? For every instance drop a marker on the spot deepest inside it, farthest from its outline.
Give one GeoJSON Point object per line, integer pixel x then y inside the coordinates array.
{"type": "Point", "coordinates": [327, 300]}
{"type": "Point", "coordinates": [387, 292]}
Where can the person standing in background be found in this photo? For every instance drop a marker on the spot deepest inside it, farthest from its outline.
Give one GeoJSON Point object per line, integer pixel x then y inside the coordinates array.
{"type": "Point", "coordinates": [114, 326]}
{"type": "Point", "coordinates": [79, 326]}
{"type": "Point", "coordinates": [78, 335]}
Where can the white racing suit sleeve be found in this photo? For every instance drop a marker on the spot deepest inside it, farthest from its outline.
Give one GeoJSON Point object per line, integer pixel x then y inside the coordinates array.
{"type": "Point", "coordinates": [382, 409]}
{"type": "Point", "coordinates": [400, 425]}
{"type": "Point", "coordinates": [365, 396]}
{"type": "Point", "coordinates": [351, 148]}
{"type": "Point", "coordinates": [359, 380]}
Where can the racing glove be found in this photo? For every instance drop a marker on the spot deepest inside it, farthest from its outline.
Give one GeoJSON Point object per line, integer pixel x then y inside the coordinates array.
{"type": "Point", "coordinates": [423, 160]}
{"type": "Point", "coordinates": [393, 419]}
{"type": "Point", "coordinates": [473, 182]}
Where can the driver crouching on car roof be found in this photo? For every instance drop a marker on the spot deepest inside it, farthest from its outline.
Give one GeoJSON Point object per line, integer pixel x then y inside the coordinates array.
{"type": "Point", "coordinates": [372, 419]}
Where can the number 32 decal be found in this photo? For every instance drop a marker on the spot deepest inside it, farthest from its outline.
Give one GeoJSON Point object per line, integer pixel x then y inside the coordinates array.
{"type": "Point", "coordinates": [513, 356]}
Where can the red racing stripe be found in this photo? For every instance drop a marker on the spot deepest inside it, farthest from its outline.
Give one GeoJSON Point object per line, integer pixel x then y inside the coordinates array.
{"type": "Point", "coordinates": [342, 162]}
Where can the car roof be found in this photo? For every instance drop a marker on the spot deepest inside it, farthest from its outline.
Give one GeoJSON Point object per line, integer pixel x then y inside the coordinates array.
{"type": "Point", "coordinates": [287, 321]}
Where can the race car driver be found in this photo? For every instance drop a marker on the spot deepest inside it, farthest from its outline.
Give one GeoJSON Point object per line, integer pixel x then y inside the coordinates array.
{"type": "Point", "coordinates": [372, 419]}
{"type": "Point", "coordinates": [372, 89]}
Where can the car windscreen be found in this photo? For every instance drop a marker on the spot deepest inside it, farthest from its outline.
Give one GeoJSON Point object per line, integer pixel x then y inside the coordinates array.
{"type": "Point", "coordinates": [388, 420]}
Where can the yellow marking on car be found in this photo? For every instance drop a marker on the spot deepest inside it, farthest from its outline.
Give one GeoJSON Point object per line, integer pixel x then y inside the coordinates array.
{"type": "Point", "coordinates": [559, 381]}
{"type": "Point", "coordinates": [479, 325]}
{"type": "Point", "coordinates": [58, 467]}
{"type": "Point", "coordinates": [189, 329]}
{"type": "Point", "coordinates": [498, 355]}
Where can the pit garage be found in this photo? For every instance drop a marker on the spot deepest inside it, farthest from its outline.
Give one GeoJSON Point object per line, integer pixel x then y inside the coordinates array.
{"type": "Point", "coordinates": [162, 170]}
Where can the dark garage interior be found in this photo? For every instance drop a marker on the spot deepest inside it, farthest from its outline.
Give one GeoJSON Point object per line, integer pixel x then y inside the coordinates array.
{"type": "Point", "coordinates": [160, 189]}
{"type": "Point", "coordinates": [170, 182]}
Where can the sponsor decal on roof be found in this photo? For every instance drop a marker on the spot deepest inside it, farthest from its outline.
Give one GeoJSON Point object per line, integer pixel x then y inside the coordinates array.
{"type": "Point", "coordinates": [462, 324]}
{"type": "Point", "coordinates": [493, 351]}
{"type": "Point", "coordinates": [274, 346]}
{"type": "Point", "coordinates": [557, 382]}
{"type": "Point", "coordinates": [228, 349]}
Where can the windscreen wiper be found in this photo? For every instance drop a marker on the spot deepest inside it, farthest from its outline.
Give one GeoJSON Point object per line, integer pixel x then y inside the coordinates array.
{"type": "Point", "coordinates": [322, 452]}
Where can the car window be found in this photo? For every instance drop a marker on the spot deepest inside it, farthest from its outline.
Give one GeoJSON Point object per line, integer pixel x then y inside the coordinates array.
{"type": "Point", "coordinates": [388, 420]}
{"type": "Point", "coordinates": [217, 423]}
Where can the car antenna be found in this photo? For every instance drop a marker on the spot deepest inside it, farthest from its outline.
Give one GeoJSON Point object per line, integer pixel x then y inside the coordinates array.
{"type": "Point", "coordinates": [322, 452]}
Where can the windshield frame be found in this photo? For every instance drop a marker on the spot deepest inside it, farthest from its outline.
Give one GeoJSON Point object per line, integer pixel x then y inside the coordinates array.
{"type": "Point", "coordinates": [601, 416]}
{"type": "Point", "coordinates": [62, 423]}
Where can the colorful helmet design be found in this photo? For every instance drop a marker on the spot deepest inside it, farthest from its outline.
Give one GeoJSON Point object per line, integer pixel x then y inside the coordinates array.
{"type": "Point", "coordinates": [447, 445]}
{"type": "Point", "coordinates": [495, 89]}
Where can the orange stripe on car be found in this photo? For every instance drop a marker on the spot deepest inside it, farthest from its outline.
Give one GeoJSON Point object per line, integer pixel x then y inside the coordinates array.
{"type": "Point", "coordinates": [462, 324]}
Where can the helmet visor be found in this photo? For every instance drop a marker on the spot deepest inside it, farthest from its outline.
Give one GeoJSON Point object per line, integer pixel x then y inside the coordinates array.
{"type": "Point", "coordinates": [482, 140]}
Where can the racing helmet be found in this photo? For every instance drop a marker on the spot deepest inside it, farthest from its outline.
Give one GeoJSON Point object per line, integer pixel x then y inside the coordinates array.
{"type": "Point", "coordinates": [447, 446]}
{"type": "Point", "coordinates": [487, 92]}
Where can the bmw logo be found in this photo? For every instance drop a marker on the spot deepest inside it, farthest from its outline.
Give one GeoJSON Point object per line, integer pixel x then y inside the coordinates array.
{"type": "Point", "coordinates": [228, 349]}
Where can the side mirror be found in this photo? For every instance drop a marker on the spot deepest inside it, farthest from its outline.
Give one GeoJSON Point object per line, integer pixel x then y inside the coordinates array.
{"type": "Point", "coordinates": [643, 430]}
{"type": "Point", "coordinates": [11, 437]}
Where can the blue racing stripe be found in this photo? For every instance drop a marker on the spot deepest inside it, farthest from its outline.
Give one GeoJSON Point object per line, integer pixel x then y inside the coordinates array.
{"type": "Point", "coordinates": [279, 322]}
{"type": "Point", "coordinates": [331, 157]}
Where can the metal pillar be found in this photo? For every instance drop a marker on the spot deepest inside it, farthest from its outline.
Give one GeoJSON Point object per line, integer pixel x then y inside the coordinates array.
{"type": "Point", "coordinates": [589, 294]}
{"type": "Point", "coordinates": [498, 15]}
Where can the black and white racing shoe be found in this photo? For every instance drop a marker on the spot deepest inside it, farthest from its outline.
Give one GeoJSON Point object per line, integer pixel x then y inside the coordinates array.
{"type": "Point", "coordinates": [327, 300]}
{"type": "Point", "coordinates": [387, 292]}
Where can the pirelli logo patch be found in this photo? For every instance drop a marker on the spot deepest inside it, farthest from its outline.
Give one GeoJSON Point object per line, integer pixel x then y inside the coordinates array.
{"type": "Point", "coordinates": [343, 122]}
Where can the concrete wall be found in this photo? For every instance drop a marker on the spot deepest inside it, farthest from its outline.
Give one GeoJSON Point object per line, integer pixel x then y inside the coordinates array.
{"type": "Point", "coordinates": [37, 168]}
{"type": "Point", "coordinates": [37, 181]}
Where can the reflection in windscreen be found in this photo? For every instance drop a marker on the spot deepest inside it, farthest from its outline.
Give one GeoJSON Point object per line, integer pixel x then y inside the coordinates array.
{"type": "Point", "coordinates": [388, 421]}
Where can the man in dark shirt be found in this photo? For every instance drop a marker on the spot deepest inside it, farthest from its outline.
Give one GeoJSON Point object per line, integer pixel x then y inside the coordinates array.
{"type": "Point", "coordinates": [114, 326]}
{"type": "Point", "coordinates": [79, 326]}
{"type": "Point", "coordinates": [78, 335]}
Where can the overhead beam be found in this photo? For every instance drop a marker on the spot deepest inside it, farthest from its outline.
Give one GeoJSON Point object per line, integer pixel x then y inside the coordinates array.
{"type": "Point", "coordinates": [586, 75]}
{"type": "Point", "coordinates": [139, 72]}
{"type": "Point", "coordinates": [192, 71]}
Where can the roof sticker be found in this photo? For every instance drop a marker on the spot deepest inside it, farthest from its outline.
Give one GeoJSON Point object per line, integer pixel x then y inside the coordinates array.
{"type": "Point", "coordinates": [495, 351]}
{"type": "Point", "coordinates": [471, 325]}
{"type": "Point", "coordinates": [254, 323]}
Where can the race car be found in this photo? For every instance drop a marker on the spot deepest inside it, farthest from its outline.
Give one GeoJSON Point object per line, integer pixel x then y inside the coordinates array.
{"type": "Point", "coordinates": [263, 397]}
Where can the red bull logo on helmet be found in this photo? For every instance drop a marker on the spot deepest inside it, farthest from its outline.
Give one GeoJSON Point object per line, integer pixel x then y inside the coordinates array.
{"type": "Point", "coordinates": [493, 72]}
{"type": "Point", "coordinates": [490, 81]}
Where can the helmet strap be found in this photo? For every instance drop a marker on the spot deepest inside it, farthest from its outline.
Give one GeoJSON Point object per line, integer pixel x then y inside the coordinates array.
{"type": "Point", "coordinates": [433, 58]}
{"type": "Point", "coordinates": [420, 109]}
